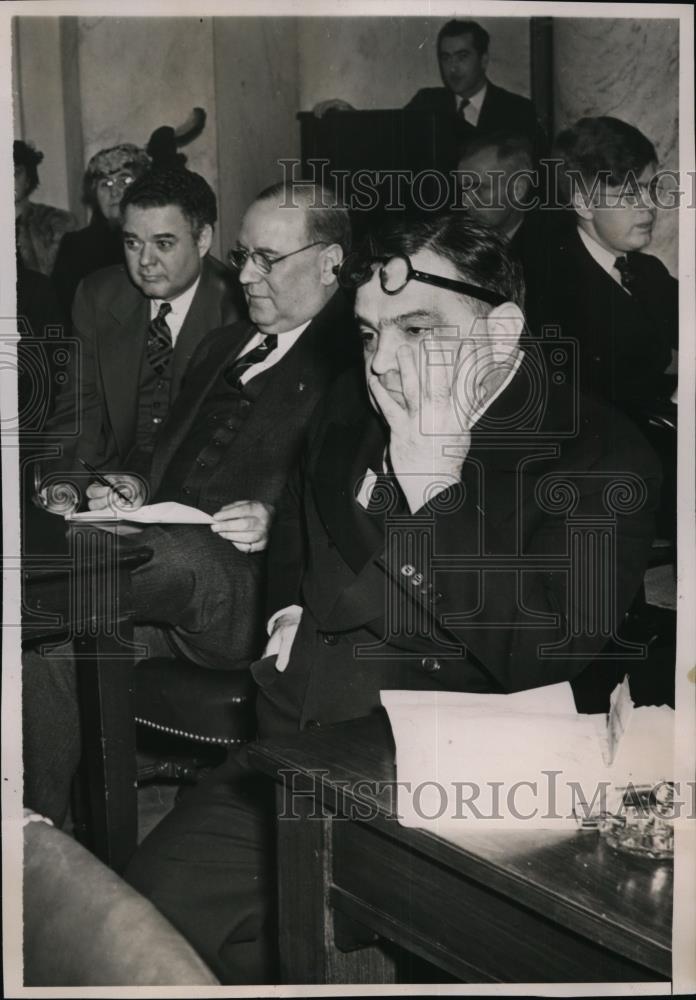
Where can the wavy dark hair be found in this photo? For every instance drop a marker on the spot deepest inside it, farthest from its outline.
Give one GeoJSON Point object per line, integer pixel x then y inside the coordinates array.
{"type": "Point", "coordinates": [480, 255]}
{"type": "Point", "coordinates": [603, 145]}
{"type": "Point", "coordinates": [187, 190]}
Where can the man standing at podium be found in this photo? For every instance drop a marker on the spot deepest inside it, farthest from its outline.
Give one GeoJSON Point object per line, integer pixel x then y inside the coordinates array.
{"type": "Point", "coordinates": [478, 106]}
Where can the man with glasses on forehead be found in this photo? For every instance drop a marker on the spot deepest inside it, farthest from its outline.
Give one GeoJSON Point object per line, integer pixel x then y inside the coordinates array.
{"type": "Point", "coordinates": [421, 530]}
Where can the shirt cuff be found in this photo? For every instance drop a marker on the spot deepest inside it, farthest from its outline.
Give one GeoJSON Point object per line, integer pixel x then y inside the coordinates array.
{"type": "Point", "coordinates": [283, 611]}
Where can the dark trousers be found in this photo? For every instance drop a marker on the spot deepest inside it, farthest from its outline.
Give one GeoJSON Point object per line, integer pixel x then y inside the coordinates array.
{"type": "Point", "coordinates": [198, 597]}
{"type": "Point", "coordinates": [209, 867]}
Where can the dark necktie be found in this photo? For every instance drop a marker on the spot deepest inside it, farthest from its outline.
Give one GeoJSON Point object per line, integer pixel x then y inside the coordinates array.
{"type": "Point", "coordinates": [628, 277]}
{"type": "Point", "coordinates": [461, 109]}
{"type": "Point", "coordinates": [234, 372]}
{"type": "Point", "coordinates": [159, 340]}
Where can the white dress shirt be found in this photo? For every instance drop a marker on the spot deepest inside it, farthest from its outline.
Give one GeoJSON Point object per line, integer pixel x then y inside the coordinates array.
{"type": "Point", "coordinates": [473, 108]}
{"type": "Point", "coordinates": [605, 258]}
{"type": "Point", "coordinates": [285, 342]}
{"type": "Point", "coordinates": [180, 307]}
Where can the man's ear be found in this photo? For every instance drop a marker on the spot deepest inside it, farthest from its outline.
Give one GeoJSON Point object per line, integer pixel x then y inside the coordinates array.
{"type": "Point", "coordinates": [505, 325]}
{"type": "Point", "coordinates": [205, 240]}
{"type": "Point", "coordinates": [581, 207]}
{"type": "Point", "coordinates": [330, 257]}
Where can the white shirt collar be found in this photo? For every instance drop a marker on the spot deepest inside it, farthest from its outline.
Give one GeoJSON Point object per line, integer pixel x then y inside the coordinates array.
{"type": "Point", "coordinates": [180, 307]}
{"type": "Point", "coordinates": [285, 342]}
{"type": "Point", "coordinates": [473, 108]}
{"type": "Point", "coordinates": [605, 258]}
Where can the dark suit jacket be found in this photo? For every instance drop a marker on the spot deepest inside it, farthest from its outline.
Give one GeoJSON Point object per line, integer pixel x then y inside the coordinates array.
{"type": "Point", "coordinates": [501, 111]}
{"type": "Point", "coordinates": [624, 341]}
{"type": "Point", "coordinates": [257, 462]}
{"type": "Point", "coordinates": [465, 594]}
{"type": "Point", "coordinates": [110, 321]}
{"type": "Point", "coordinates": [83, 252]}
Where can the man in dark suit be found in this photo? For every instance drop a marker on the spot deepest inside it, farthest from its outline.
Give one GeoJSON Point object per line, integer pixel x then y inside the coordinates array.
{"type": "Point", "coordinates": [476, 106]}
{"type": "Point", "coordinates": [139, 324]}
{"type": "Point", "coordinates": [595, 281]}
{"type": "Point", "coordinates": [227, 448]}
{"type": "Point", "coordinates": [425, 543]}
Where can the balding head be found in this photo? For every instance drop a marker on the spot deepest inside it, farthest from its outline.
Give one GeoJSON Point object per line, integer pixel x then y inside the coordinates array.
{"type": "Point", "coordinates": [297, 223]}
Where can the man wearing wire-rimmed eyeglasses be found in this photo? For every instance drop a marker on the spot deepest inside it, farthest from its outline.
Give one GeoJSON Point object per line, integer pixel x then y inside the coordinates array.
{"type": "Point", "coordinates": [423, 543]}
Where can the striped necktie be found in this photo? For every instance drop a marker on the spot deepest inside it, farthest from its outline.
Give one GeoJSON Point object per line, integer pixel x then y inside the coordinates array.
{"type": "Point", "coordinates": [626, 272]}
{"type": "Point", "coordinates": [159, 340]}
{"type": "Point", "coordinates": [234, 372]}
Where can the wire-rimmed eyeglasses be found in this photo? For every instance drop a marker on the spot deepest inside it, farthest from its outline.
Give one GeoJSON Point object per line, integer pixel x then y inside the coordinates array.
{"type": "Point", "coordinates": [238, 258]}
{"type": "Point", "coordinates": [120, 182]}
{"type": "Point", "coordinates": [396, 272]}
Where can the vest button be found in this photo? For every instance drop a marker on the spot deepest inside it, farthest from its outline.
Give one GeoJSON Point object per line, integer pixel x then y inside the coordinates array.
{"type": "Point", "coordinates": [430, 665]}
{"type": "Point", "coordinates": [186, 490]}
{"type": "Point", "coordinates": [312, 724]}
{"type": "Point", "coordinates": [200, 462]}
{"type": "Point", "coordinates": [330, 639]}
{"type": "Point", "coordinates": [157, 420]}
{"type": "Point", "coordinates": [244, 403]}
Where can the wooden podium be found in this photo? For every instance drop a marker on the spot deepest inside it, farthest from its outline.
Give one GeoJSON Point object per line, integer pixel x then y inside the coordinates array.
{"type": "Point", "coordinates": [381, 162]}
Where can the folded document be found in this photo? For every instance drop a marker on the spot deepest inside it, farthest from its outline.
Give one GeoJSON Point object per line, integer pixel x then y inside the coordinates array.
{"type": "Point", "coordinates": [526, 760]}
{"type": "Point", "coordinates": [154, 513]}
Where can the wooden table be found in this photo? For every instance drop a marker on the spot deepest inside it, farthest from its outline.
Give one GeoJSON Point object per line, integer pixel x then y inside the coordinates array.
{"type": "Point", "coordinates": [535, 906]}
{"type": "Point", "coordinates": [76, 589]}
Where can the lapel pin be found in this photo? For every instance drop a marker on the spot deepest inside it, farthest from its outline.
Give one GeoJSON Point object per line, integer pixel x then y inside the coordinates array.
{"type": "Point", "coordinates": [300, 386]}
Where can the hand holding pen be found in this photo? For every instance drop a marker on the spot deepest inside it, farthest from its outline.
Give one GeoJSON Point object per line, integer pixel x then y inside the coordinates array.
{"type": "Point", "coordinates": [104, 487]}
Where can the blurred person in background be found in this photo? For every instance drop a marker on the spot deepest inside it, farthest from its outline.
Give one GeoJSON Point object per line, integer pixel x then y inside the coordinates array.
{"type": "Point", "coordinates": [110, 172]}
{"type": "Point", "coordinates": [38, 228]}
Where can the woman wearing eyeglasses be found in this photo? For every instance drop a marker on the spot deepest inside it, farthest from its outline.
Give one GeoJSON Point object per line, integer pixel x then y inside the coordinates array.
{"type": "Point", "coordinates": [109, 173]}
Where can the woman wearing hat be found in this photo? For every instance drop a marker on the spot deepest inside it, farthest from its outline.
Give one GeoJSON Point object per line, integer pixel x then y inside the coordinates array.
{"type": "Point", "coordinates": [108, 174]}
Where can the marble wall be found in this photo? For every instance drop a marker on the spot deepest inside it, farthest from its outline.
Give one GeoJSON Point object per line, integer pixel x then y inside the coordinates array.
{"type": "Point", "coordinates": [38, 102]}
{"type": "Point", "coordinates": [257, 88]}
{"type": "Point", "coordinates": [139, 73]}
{"type": "Point", "coordinates": [380, 62]}
{"type": "Point", "coordinates": [627, 68]}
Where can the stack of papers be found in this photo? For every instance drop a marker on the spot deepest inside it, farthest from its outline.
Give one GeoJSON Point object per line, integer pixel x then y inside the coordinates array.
{"type": "Point", "coordinates": [524, 760]}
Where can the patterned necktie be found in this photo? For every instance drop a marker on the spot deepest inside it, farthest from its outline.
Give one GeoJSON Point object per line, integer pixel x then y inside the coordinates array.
{"type": "Point", "coordinates": [159, 340]}
{"type": "Point", "coordinates": [628, 277]}
{"type": "Point", "coordinates": [234, 373]}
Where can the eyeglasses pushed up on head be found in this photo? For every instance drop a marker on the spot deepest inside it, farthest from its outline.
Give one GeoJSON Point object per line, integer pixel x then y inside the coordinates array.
{"type": "Point", "coordinates": [395, 273]}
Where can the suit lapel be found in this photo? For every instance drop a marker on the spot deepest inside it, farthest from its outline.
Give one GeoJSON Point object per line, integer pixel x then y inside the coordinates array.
{"type": "Point", "coordinates": [202, 317]}
{"type": "Point", "coordinates": [185, 409]}
{"type": "Point", "coordinates": [347, 451]}
{"type": "Point", "coordinates": [488, 106]}
{"type": "Point", "coordinates": [122, 340]}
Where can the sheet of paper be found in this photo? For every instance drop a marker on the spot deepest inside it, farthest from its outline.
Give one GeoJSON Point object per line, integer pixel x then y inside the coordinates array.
{"type": "Point", "coordinates": [471, 761]}
{"type": "Point", "coordinates": [156, 513]}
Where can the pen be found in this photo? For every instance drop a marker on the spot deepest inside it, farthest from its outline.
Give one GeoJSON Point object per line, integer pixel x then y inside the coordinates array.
{"type": "Point", "coordinates": [103, 480]}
